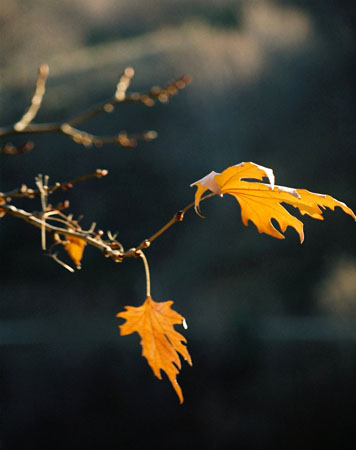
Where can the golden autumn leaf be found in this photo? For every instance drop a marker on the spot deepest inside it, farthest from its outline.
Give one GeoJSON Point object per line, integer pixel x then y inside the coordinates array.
{"type": "Point", "coordinates": [75, 248]}
{"type": "Point", "coordinates": [261, 202]}
{"type": "Point", "coordinates": [2, 202]}
{"type": "Point", "coordinates": [154, 322]}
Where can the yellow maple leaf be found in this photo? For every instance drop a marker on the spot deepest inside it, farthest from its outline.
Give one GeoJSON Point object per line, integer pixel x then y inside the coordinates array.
{"type": "Point", "coordinates": [261, 202]}
{"type": "Point", "coordinates": [154, 321]}
{"type": "Point", "coordinates": [75, 248]}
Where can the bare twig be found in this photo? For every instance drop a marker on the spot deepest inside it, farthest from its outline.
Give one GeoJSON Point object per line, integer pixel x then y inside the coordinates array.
{"type": "Point", "coordinates": [36, 99]}
{"type": "Point", "coordinates": [123, 139]}
{"type": "Point", "coordinates": [24, 191]}
{"type": "Point", "coordinates": [42, 184]}
{"type": "Point", "coordinates": [148, 99]}
{"type": "Point", "coordinates": [124, 83]}
{"type": "Point", "coordinates": [110, 248]}
{"type": "Point", "coordinates": [178, 217]}
{"type": "Point", "coordinates": [68, 127]}
{"type": "Point", "coordinates": [60, 262]}
{"type": "Point", "coordinates": [36, 220]}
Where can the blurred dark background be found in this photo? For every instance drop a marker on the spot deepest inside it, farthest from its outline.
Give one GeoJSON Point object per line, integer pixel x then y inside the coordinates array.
{"type": "Point", "coordinates": [271, 323]}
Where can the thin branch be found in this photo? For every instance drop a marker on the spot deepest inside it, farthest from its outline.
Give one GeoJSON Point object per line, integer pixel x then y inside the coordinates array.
{"type": "Point", "coordinates": [36, 220]}
{"type": "Point", "coordinates": [36, 100]}
{"type": "Point", "coordinates": [24, 191]}
{"type": "Point", "coordinates": [60, 262]}
{"type": "Point", "coordinates": [148, 99]}
{"type": "Point", "coordinates": [178, 217]}
{"type": "Point", "coordinates": [111, 248]}
{"type": "Point", "coordinates": [123, 139]}
{"type": "Point", "coordinates": [124, 83]}
{"type": "Point", "coordinates": [42, 184]}
{"type": "Point", "coordinates": [68, 127]}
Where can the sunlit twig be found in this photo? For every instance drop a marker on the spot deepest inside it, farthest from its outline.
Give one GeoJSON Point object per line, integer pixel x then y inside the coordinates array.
{"type": "Point", "coordinates": [36, 100]}
{"type": "Point", "coordinates": [69, 127]}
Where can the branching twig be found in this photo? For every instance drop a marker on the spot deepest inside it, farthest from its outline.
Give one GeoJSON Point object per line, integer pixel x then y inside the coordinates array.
{"type": "Point", "coordinates": [148, 99]}
{"type": "Point", "coordinates": [24, 191]}
{"type": "Point", "coordinates": [36, 220]}
{"type": "Point", "coordinates": [68, 127]}
{"type": "Point", "coordinates": [123, 139]}
{"type": "Point", "coordinates": [110, 248]}
{"type": "Point", "coordinates": [51, 219]}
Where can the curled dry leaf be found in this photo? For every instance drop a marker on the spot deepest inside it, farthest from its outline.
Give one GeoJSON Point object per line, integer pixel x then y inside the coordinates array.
{"type": "Point", "coordinates": [261, 202]}
{"type": "Point", "coordinates": [2, 202]}
{"type": "Point", "coordinates": [154, 322]}
{"type": "Point", "coordinates": [75, 248]}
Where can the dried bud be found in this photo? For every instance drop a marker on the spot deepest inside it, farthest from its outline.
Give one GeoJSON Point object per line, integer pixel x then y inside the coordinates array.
{"type": "Point", "coordinates": [147, 101]}
{"type": "Point", "coordinates": [125, 140]}
{"type": "Point", "coordinates": [28, 146]}
{"type": "Point", "coordinates": [44, 70]}
{"type": "Point", "coordinates": [186, 79]}
{"type": "Point", "coordinates": [163, 97]}
{"type": "Point", "coordinates": [98, 234]}
{"type": "Point", "coordinates": [62, 205]}
{"type": "Point", "coordinates": [31, 193]}
{"type": "Point", "coordinates": [108, 108]}
{"type": "Point", "coordinates": [101, 173]}
{"type": "Point", "coordinates": [150, 135]}
{"type": "Point", "coordinates": [180, 216]}
{"type": "Point", "coordinates": [118, 258]}
{"type": "Point", "coordinates": [172, 89]}
{"type": "Point", "coordinates": [67, 186]}
{"type": "Point", "coordinates": [129, 72]}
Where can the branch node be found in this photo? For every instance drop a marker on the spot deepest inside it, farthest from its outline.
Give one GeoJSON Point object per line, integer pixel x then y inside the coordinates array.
{"type": "Point", "coordinates": [180, 216]}
{"type": "Point", "coordinates": [101, 173]}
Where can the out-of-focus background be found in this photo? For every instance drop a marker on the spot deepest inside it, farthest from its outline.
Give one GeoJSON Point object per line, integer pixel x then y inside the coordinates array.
{"type": "Point", "coordinates": [272, 324]}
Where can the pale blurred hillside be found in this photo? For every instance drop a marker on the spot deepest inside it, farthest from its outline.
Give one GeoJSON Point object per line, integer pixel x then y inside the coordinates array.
{"type": "Point", "coordinates": [36, 30]}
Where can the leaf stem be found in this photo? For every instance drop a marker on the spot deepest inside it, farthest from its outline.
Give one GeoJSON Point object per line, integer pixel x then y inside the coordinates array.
{"type": "Point", "coordinates": [147, 271]}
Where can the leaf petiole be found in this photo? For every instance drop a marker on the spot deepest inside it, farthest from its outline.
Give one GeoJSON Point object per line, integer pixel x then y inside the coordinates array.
{"type": "Point", "coordinates": [147, 271]}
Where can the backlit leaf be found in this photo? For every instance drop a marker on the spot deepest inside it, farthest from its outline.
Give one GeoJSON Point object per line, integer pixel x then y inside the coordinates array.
{"type": "Point", "coordinates": [261, 202]}
{"type": "Point", "coordinates": [2, 202]}
{"type": "Point", "coordinates": [75, 248]}
{"type": "Point", "coordinates": [154, 322]}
